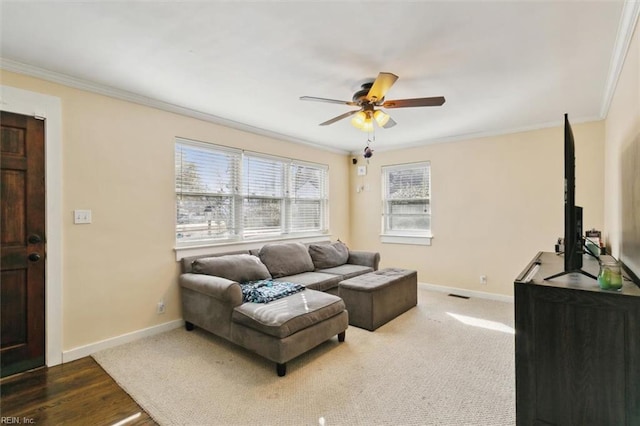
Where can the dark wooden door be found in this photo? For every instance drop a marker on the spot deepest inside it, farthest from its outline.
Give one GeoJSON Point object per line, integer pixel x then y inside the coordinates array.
{"type": "Point", "coordinates": [22, 240]}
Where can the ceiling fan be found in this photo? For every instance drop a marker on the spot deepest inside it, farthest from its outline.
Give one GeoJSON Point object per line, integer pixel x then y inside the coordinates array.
{"type": "Point", "coordinates": [369, 98]}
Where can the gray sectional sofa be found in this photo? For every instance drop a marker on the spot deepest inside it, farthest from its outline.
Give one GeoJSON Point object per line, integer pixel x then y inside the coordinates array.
{"type": "Point", "coordinates": [212, 296]}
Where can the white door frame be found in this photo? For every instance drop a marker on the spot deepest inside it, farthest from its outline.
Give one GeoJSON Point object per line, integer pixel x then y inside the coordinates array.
{"type": "Point", "coordinates": [48, 107]}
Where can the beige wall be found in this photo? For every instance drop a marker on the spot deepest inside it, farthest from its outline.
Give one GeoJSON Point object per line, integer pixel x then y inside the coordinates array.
{"type": "Point", "coordinates": [496, 202]}
{"type": "Point", "coordinates": [622, 131]}
{"type": "Point", "coordinates": [118, 161]}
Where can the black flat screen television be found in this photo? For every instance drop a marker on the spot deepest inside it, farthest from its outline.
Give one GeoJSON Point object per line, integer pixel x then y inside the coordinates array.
{"type": "Point", "coordinates": [573, 239]}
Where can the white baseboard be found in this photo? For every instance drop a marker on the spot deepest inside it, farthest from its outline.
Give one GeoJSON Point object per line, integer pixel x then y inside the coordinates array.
{"type": "Point", "coordinates": [467, 293]}
{"type": "Point", "coordinates": [82, 351]}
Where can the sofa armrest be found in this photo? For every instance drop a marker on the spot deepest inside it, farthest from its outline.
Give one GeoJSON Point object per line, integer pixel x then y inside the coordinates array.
{"type": "Point", "coordinates": [220, 288]}
{"type": "Point", "coordinates": [364, 258]}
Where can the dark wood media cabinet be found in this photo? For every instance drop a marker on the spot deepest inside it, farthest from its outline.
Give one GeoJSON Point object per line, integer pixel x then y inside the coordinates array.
{"type": "Point", "coordinates": [577, 348]}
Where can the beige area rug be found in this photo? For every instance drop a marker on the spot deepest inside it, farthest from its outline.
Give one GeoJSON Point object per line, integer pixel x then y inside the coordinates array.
{"type": "Point", "coordinates": [448, 361]}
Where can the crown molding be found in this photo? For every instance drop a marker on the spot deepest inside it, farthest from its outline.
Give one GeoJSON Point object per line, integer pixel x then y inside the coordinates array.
{"type": "Point", "coordinates": [626, 28]}
{"type": "Point", "coordinates": [480, 135]}
{"type": "Point", "coordinates": [101, 89]}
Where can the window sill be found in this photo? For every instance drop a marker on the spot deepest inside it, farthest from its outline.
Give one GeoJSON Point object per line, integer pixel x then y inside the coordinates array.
{"type": "Point", "coordinates": [213, 248]}
{"type": "Point", "coordinates": [417, 240]}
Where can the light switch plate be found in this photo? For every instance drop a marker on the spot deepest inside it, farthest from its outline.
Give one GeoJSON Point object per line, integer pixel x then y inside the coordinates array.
{"type": "Point", "coordinates": [81, 216]}
{"type": "Point", "coordinates": [362, 170]}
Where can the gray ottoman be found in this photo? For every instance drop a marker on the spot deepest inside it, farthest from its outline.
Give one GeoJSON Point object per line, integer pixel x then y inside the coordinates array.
{"type": "Point", "coordinates": [376, 298]}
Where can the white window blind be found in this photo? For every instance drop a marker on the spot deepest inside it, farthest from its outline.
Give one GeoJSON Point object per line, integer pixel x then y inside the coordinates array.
{"type": "Point", "coordinates": [307, 197]}
{"type": "Point", "coordinates": [225, 194]}
{"type": "Point", "coordinates": [407, 199]}
{"type": "Point", "coordinates": [262, 195]}
{"type": "Point", "coordinates": [206, 187]}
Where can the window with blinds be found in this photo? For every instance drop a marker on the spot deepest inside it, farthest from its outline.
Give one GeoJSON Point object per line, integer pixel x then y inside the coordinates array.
{"type": "Point", "coordinates": [263, 196]}
{"type": "Point", "coordinates": [307, 197]}
{"type": "Point", "coordinates": [224, 194]}
{"type": "Point", "coordinates": [406, 200]}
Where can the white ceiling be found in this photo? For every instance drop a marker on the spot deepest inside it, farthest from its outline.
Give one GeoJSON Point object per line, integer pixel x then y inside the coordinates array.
{"type": "Point", "coordinates": [501, 65]}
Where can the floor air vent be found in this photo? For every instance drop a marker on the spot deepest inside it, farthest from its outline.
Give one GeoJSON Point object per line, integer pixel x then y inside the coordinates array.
{"type": "Point", "coordinates": [458, 296]}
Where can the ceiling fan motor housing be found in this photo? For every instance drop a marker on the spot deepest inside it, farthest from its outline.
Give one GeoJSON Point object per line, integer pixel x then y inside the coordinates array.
{"type": "Point", "coordinates": [361, 95]}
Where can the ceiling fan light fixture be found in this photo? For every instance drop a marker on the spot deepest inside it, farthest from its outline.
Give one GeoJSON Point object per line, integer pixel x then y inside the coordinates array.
{"type": "Point", "coordinates": [359, 119]}
{"type": "Point", "coordinates": [381, 117]}
{"type": "Point", "coordinates": [367, 126]}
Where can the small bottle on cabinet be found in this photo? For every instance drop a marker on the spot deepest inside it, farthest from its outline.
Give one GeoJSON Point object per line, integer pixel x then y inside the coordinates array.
{"type": "Point", "coordinates": [610, 276]}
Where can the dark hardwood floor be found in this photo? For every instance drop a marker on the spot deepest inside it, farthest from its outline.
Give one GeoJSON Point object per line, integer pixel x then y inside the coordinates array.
{"type": "Point", "coordinates": [75, 393]}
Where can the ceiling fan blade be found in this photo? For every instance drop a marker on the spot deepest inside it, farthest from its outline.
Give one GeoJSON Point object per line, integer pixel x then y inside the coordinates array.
{"type": "Point", "coordinates": [416, 102]}
{"type": "Point", "coordinates": [338, 118]}
{"type": "Point", "coordinates": [331, 101]}
{"type": "Point", "coordinates": [389, 123]}
{"type": "Point", "coordinates": [380, 87]}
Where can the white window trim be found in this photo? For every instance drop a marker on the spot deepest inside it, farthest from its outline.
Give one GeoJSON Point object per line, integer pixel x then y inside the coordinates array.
{"type": "Point", "coordinates": [409, 238]}
{"type": "Point", "coordinates": [191, 248]}
{"type": "Point", "coordinates": [209, 248]}
{"type": "Point", "coordinates": [418, 240]}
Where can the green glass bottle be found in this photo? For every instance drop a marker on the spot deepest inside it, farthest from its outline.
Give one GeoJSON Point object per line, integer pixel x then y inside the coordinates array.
{"type": "Point", "coordinates": [610, 276]}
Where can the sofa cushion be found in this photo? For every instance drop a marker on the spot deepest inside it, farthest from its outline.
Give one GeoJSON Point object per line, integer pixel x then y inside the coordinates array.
{"type": "Point", "coordinates": [329, 255]}
{"type": "Point", "coordinates": [314, 280]}
{"type": "Point", "coordinates": [187, 262]}
{"type": "Point", "coordinates": [286, 316]}
{"type": "Point", "coordinates": [286, 259]}
{"type": "Point", "coordinates": [347, 270]}
{"type": "Point", "coordinates": [237, 267]}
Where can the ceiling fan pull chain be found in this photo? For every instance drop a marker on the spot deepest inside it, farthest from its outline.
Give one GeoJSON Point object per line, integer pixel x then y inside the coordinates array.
{"type": "Point", "coordinates": [368, 152]}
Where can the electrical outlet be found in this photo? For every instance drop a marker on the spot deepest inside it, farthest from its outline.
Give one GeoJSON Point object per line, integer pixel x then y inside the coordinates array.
{"type": "Point", "coordinates": [483, 279]}
{"type": "Point", "coordinates": [160, 308]}
{"type": "Point", "coordinates": [81, 216]}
